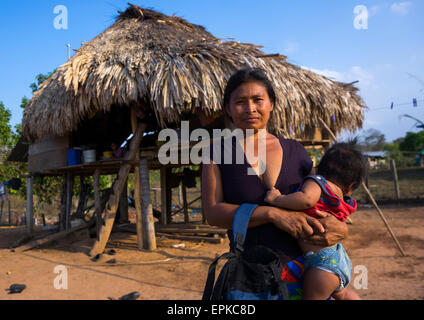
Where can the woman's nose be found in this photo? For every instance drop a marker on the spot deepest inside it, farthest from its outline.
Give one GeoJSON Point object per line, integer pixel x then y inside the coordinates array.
{"type": "Point", "coordinates": [250, 106]}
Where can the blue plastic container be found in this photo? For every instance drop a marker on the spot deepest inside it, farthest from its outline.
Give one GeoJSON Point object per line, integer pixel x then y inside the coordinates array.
{"type": "Point", "coordinates": [74, 157]}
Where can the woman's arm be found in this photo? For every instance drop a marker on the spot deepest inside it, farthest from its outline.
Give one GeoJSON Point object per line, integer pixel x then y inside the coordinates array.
{"type": "Point", "coordinates": [221, 214]}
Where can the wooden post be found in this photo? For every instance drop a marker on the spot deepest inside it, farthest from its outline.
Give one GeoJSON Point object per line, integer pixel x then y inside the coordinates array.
{"type": "Point", "coordinates": [149, 238]}
{"type": "Point", "coordinates": [1, 210]}
{"type": "Point", "coordinates": [62, 212]}
{"type": "Point", "coordinates": [29, 205]}
{"type": "Point", "coordinates": [97, 204]}
{"type": "Point", "coordinates": [123, 204]}
{"type": "Point", "coordinates": [384, 219]}
{"type": "Point", "coordinates": [184, 190]}
{"type": "Point", "coordinates": [168, 191]}
{"type": "Point", "coordinates": [137, 189]}
{"type": "Point", "coordinates": [180, 194]}
{"type": "Point", "coordinates": [69, 191]}
{"type": "Point", "coordinates": [163, 216]}
{"type": "Point", "coordinates": [118, 185]}
{"type": "Point", "coordinates": [395, 178]}
{"type": "Point", "coordinates": [201, 189]}
{"type": "Point", "coordinates": [10, 213]}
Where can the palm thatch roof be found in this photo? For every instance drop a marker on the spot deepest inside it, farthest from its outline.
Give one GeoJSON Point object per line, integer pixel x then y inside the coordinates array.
{"type": "Point", "coordinates": [178, 67]}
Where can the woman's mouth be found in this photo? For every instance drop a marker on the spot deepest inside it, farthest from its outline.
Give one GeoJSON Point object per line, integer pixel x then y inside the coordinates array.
{"type": "Point", "coordinates": [252, 119]}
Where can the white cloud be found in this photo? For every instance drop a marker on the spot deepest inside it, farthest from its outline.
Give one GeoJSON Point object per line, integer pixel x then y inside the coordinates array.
{"type": "Point", "coordinates": [401, 7]}
{"type": "Point", "coordinates": [373, 11]}
{"type": "Point", "coordinates": [355, 73]}
{"type": "Point", "coordinates": [291, 47]}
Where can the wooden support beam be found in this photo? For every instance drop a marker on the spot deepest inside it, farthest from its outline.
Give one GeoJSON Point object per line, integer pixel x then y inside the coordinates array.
{"type": "Point", "coordinates": [69, 192]}
{"type": "Point", "coordinates": [123, 204]}
{"type": "Point", "coordinates": [201, 202]}
{"type": "Point", "coordinates": [97, 202]}
{"type": "Point", "coordinates": [118, 185]}
{"type": "Point", "coordinates": [168, 192]}
{"type": "Point", "coordinates": [29, 205]}
{"type": "Point", "coordinates": [185, 206]}
{"type": "Point", "coordinates": [137, 188]}
{"type": "Point", "coordinates": [192, 238]}
{"type": "Point", "coordinates": [149, 239]}
{"type": "Point", "coordinates": [163, 218]}
{"type": "Point", "coordinates": [62, 210]}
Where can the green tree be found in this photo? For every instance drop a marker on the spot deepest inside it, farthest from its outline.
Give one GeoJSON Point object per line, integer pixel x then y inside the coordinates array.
{"type": "Point", "coordinates": [413, 141]}
{"type": "Point", "coordinates": [5, 129]}
{"type": "Point", "coordinates": [394, 152]}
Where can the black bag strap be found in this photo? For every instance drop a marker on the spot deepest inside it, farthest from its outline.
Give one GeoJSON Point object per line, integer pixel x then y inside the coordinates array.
{"type": "Point", "coordinates": [240, 222]}
{"type": "Point", "coordinates": [207, 292]}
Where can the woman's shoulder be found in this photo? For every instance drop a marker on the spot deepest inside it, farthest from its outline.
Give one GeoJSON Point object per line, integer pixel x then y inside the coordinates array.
{"type": "Point", "coordinates": [293, 144]}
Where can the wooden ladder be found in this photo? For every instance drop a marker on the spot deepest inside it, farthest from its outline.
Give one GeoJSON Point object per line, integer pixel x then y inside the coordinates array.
{"type": "Point", "coordinates": [118, 185]}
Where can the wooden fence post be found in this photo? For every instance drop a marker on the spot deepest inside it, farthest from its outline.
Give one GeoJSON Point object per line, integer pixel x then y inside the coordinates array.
{"type": "Point", "coordinates": [395, 178]}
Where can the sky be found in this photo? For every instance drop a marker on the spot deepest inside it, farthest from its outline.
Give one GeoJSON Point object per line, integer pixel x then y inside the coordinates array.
{"type": "Point", "coordinates": [382, 49]}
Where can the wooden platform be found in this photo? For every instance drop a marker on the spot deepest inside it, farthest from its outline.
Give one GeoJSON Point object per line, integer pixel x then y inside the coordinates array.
{"type": "Point", "coordinates": [189, 231]}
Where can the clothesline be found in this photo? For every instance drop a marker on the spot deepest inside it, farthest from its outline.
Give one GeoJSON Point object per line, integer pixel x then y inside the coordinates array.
{"type": "Point", "coordinates": [394, 105]}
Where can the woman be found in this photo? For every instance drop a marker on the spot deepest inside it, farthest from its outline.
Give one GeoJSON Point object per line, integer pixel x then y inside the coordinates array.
{"type": "Point", "coordinates": [249, 99]}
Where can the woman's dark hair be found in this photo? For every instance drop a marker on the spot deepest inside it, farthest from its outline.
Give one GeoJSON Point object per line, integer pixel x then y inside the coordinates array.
{"type": "Point", "coordinates": [248, 75]}
{"type": "Point", "coordinates": [344, 165]}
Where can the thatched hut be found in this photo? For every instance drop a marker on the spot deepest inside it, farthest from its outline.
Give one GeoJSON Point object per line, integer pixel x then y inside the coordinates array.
{"type": "Point", "coordinates": [175, 70]}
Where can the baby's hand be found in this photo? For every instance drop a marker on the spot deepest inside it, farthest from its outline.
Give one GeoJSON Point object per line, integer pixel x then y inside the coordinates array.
{"type": "Point", "coordinates": [271, 195]}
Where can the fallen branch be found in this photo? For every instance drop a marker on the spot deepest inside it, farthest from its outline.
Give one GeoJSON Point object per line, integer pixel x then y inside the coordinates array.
{"type": "Point", "coordinates": [49, 238]}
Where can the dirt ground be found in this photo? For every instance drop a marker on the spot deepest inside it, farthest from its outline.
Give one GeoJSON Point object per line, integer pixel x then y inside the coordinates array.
{"type": "Point", "coordinates": [180, 273]}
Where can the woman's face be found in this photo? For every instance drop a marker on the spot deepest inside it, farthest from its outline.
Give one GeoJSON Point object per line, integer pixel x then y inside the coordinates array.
{"type": "Point", "coordinates": [250, 106]}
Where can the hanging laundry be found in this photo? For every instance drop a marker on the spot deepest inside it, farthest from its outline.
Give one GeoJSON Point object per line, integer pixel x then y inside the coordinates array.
{"type": "Point", "coordinates": [3, 192]}
{"type": "Point", "coordinates": [414, 102]}
{"type": "Point", "coordinates": [391, 106]}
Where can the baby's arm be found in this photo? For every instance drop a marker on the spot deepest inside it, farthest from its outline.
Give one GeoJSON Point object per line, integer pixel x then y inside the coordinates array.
{"type": "Point", "coordinates": [304, 199]}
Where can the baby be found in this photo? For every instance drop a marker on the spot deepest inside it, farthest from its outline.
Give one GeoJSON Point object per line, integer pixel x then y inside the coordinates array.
{"type": "Point", "coordinates": [328, 270]}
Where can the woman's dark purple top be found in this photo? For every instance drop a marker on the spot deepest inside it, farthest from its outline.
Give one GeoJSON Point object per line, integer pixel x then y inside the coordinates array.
{"type": "Point", "coordinates": [239, 187]}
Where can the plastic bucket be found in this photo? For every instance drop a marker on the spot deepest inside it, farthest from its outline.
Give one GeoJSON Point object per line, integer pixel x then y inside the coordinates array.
{"type": "Point", "coordinates": [74, 157]}
{"type": "Point", "coordinates": [108, 155]}
{"type": "Point", "coordinates": [89, 156]}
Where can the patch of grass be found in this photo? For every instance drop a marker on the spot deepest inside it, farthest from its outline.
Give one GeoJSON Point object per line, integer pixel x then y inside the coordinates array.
{"type": "Point", "coordinates": [381, 185]}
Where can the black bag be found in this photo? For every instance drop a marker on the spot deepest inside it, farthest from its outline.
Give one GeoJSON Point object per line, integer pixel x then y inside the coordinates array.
{"type": "Point", "coordinates": [251, 272]}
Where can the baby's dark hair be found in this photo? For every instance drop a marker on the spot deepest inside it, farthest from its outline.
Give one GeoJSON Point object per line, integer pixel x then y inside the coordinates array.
{"type": "Point", "coordinates": [343, 165]}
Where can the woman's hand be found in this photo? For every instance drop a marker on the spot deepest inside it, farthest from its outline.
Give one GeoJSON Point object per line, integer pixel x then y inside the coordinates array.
{"type": "Point", "coordinates": [298, 224]}
{"type": "Point", "coordinates": [335, 231]}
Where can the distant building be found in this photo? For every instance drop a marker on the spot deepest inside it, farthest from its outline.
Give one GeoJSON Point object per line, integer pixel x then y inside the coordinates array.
{"type": "Point", "coordinates": [376, 159]}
